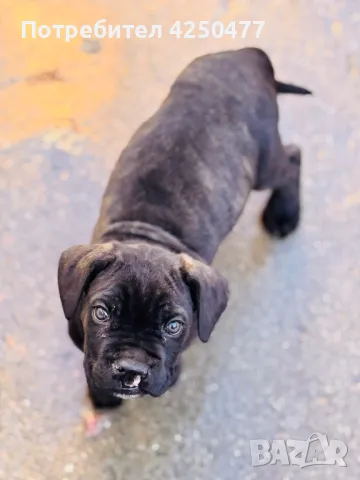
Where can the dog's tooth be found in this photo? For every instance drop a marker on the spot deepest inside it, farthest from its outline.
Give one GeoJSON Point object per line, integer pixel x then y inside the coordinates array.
{"type": "Point", "coordinates": [136, 381]}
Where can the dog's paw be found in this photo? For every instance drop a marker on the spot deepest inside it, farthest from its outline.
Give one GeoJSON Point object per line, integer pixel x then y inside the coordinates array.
{"type": "Point", "coordinates": [281, 215]}
{"type": "Point", "coordinates": [293, 153]}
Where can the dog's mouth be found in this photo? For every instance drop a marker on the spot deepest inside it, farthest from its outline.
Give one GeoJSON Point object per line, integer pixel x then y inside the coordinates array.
{"type": "Point", "coordinates": [128, 394]}
{"type": "Point", "coordinates": [130, 387]}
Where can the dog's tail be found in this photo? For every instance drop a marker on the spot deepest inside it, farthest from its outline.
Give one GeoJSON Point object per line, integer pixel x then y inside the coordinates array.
{"type": "Point", "coordinates": [289, 88]}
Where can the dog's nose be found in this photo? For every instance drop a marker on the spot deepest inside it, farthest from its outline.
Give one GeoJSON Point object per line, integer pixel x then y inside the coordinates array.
{"type": "Point", "coordinates": [131, 371]}
{"type": "Point", "coordinates": [129, 365]}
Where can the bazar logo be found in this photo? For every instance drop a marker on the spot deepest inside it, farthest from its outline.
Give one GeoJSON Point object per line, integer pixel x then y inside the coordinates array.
{"type": "Point", "coordinates": [316, 450]}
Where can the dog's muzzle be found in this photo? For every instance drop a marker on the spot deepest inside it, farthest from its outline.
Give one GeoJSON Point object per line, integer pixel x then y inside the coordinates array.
{"type": "Point", "coordinates": [130, 374]}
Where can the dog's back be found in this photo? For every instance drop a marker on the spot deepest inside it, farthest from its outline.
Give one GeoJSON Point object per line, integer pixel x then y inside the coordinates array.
{"type": "Point", "coordinates": [190, 168]}
{"type": "Point", "coordinates": [235, 72]}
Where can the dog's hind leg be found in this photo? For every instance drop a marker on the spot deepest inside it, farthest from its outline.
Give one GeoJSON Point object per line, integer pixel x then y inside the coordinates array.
{"type": "Point", "coordinates": [281, 215]}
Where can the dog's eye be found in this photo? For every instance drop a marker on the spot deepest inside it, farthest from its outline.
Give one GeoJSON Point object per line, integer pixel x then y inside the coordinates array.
{"type": "Point", "coordinates": [173, 328]}
{"type": "Point", "coordinates": [100, 314]}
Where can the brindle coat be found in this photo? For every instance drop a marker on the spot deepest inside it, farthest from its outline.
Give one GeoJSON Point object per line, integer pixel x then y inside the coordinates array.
{"type": "Point", "coordinates": [176, 192]}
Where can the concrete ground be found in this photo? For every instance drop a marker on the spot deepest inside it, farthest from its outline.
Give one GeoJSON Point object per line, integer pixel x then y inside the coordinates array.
{"type": "Point", "coordinates": [284, 362]}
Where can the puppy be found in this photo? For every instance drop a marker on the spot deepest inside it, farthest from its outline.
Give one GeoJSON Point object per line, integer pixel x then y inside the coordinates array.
{"type": "Point", "coordinates": [143, 289]}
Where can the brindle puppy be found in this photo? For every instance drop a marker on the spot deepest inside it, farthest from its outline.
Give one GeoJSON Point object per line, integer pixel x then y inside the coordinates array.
{"type": "Point", "coordinates": [144, 288]}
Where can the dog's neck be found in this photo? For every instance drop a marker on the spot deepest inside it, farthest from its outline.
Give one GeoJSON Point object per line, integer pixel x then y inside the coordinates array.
{"type": "Point", "coordinates": [134, 231]}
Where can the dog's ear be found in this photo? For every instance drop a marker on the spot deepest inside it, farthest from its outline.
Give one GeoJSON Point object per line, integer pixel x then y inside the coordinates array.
{"type": "Point", "coordinates": [209, 293]}
{"type": "Point", "coordinates": [78, 266]}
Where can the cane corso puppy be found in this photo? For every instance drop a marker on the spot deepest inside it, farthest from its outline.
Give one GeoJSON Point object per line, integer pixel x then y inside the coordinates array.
{"type": "Point", "coordinates": [143, 289]}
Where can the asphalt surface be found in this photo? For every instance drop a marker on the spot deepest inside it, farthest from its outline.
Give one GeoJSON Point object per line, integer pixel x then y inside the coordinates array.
{"type": "Point", "coordinates": [284, 362]}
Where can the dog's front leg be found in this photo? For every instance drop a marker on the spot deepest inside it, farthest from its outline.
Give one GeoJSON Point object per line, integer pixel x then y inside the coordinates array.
{"type": "Point", "coordinates": [96, 410]}
{"type": "Point", "coordinates": [103, 401]}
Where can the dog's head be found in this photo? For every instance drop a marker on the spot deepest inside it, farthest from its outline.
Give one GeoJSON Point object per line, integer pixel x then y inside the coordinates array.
{"type": "Point", "coordinates": [132, 309]}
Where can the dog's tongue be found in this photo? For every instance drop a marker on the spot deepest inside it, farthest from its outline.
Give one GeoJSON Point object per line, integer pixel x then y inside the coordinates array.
{"type": "Point", "coordinates": [132, 381]}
